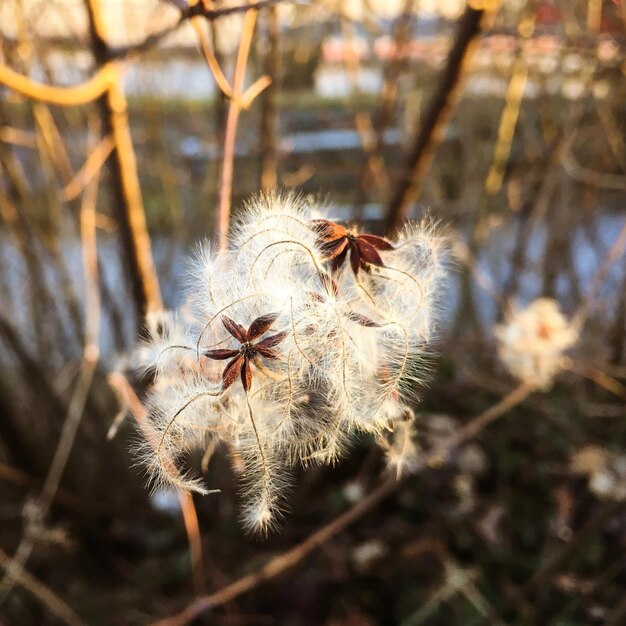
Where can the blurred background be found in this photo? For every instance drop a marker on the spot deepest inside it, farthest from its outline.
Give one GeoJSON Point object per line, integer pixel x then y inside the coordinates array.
{"type": "Point", "coordinates": [504, 121]}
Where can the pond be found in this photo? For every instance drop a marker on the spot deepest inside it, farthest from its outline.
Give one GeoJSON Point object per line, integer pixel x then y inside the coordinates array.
{"type": "Point", "coordinates": [493, 263]}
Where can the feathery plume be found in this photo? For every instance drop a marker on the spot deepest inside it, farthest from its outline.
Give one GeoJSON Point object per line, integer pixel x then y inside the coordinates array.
{"type": "Point", "coordinates": [300, 335]}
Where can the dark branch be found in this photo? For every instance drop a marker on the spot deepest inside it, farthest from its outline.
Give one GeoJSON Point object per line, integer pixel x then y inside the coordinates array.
{"type": "Point", "coordinates": [187, 12]}
{"type": "Point", "coordinates": [432, 125]}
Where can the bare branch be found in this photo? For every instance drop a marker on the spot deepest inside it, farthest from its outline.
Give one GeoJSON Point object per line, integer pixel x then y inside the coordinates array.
{"type": "Point", "coordinates": [232, 120]}
{"type": "Point", "coordinates": [86, 92]}
{"type": "Point", "coordinates": [128, 198]}
{"type": "Point", "coordinates": [188, 12]}
{"type": "Point", "coordinates": [44, 594]}
{"type": "Point", "coordinates": [435, 118]}
{"type": "Point", "coordinates": [90, 168]}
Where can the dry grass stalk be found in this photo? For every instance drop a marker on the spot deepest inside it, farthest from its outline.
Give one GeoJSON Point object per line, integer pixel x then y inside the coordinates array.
{"type": "Point", "coordinates": [91, 355]}
{"type": "Point", "coordinates": [269, 114]}
{"type": "Point", "coordinates": [510, 114]}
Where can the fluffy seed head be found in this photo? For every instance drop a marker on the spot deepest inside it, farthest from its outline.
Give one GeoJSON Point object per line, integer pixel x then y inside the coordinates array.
{"type": "Point", "coordinates": [294, 339]}
{"type": "Point", "coordinates": [531, 342]}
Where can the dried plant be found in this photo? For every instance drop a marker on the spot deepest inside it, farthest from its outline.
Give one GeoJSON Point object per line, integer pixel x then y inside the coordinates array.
{"type": "Point", "coordinates": [532, 341]}
{"type": "Point", "coordinates": [605, 471]}
{"type": "Point", "coordinates": [323, 352]}
{"type": "Point", "coordinates": [337, 241]}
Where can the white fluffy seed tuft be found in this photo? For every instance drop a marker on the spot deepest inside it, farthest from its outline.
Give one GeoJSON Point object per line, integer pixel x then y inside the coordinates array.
{"type": "Point", "coordinates": [299, 336]}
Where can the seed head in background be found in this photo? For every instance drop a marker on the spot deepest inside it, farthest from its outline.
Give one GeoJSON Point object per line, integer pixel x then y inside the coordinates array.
{"type": "Point", "coordinates": [283, 352]}
{"type": "Point", "coordinates": [532, 342]}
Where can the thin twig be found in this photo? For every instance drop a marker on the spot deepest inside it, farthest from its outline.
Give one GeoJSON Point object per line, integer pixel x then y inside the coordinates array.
{"type": "Point", "coordinates": [53, 142]}
{"type": "Point", "coordinates": [44, 594]}
{"type": "Point", "coordinates": [402, 32]}
{"type": "Point", "coordinates": [269, 111]}
{"type": "Point", "coordinates": [213, 14]}
{"type": "Point", "coordinates": [510, 114]}
{"type": "Point", "coordinates": [615, 252]}
{"type": "Point", "coordinates": [230, 135]}
{"type": "Point", "coordinates": [374, 163]}
{"type": "Point", "coordinates": [90, 168]}
{"type": "Point", "coordinates": [129, 399]}
{"type": "Point", "coordinates": [599, 377]}
{"type": "Point", "coordinates": [192, 528]}
{"type": "Point", "coordinates": [210, 58]}
{"type": "Point", "coordinates": [188, 12]}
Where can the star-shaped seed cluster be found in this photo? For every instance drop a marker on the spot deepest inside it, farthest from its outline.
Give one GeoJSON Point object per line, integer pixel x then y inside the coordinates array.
{"type": "Point", "coordinates": [242, 358]}
{"type": "Point", "coordinates": [337, 242]}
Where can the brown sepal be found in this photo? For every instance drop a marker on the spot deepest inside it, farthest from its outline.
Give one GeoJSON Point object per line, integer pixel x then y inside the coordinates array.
{"type": "Point", "coordinates": [355, 259]}
{"type": "Point", "coordinates": [260, 325]}
{"type": "Point", "coordinates": [236, 330]}
{"type": "Point", "coordinates": [231, 371]}
{"type": "Point", "coordinates": [246, 375]}
{"type": "Point", "coordinates": [335, 248]}
{"type": "Point", "coordinates": [220, 355]}
{"type": "Point", "coordinates": [336, 263]}
{"type": "Point", "coordinates": [362, 320]}
{"type": "Point", "coordinates": [368, 253]}
{"type": "Point", "coordinates": [270, 342]}
{"type": "Point", "coordinates": [380, 243]}
{"type": "Point", "coordinates": [329, 231]}
{"type": "Point", "coordinates": [268, 353]}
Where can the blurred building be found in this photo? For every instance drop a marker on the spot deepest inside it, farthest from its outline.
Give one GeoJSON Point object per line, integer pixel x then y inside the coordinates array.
{"type": "Point", "coordinates": [607, 16]}
{"type": "Point", "coordinates": [131, 20]}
